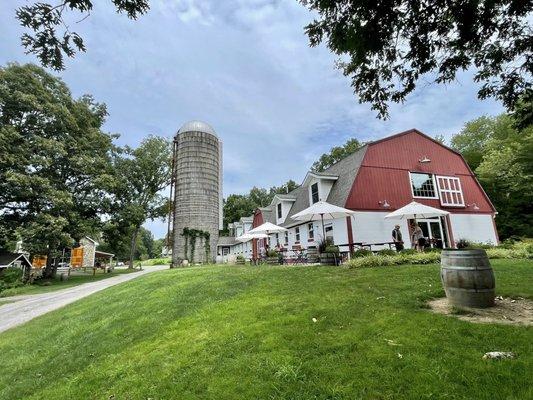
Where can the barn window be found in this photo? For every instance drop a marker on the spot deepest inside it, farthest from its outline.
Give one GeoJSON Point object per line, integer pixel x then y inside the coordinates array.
{"type": "Point", "coordinates": [314, 193]}
{"type": "Point", "coordinates": [423, 185]}
{"type": "Point", "coordinates": [450, 191]}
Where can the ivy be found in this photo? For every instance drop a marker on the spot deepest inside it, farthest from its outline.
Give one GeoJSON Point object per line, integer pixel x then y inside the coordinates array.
{"type": "Point", "coordinates": [191, 235]}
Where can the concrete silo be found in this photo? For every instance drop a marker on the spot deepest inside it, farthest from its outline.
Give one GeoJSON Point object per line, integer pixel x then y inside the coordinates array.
{"type": "Point", "coordinates": [197, 193]}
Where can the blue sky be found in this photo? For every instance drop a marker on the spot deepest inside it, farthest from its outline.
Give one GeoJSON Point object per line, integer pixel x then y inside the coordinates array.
{"type": "Point", "coordinates": [246, 68]}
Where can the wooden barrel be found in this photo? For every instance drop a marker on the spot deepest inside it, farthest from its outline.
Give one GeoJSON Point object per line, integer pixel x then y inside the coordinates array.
{"type": "Point", "coordinates": [328, 258]}
{"type": "Point", "coordinates": [467, 278]}
{"type": "Point", "coordinates": [312, 255]}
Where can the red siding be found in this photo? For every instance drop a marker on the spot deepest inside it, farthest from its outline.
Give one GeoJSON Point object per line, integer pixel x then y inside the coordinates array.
{"type": "Point", "coordinates": [258, 220]}
{"type": "Point", "coordinates": [384, 174]}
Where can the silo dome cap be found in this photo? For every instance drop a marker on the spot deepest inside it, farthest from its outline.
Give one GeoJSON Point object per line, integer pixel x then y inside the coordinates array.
{"type": "Point", "coordinates": [197, 126]}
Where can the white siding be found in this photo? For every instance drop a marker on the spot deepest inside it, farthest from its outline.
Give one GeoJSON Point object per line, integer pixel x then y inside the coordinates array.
{"type": "Point", "coordinates": [473, 227]}
{"type": "Point", "coordinates": [372, 227]}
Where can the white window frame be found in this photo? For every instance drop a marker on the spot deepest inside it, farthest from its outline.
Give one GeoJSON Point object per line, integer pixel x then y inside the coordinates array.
{"type": "Point", "coordinates": [435, 188]}
{"type": "Point", "coordinates": [317, 192]}
{"type": "Point", "coordinates": [450, 191]}
{"type": "Point", "coordinates": [310, 231]}
{"type": "Point", "coordinates": [297, 234]}
{"type": "Point", "coordinates": [279, 210]}
{"type": "Point", "coordinates": [286, 238]}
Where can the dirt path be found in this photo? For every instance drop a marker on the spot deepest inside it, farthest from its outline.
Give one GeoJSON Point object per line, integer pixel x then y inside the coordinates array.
{"type": "Point", "coordinates": [21, 309]}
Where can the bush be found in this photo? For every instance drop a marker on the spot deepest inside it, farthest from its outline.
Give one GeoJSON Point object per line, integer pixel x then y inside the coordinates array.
{"type": "Point", "coordinates": [397, 259]}
{"type": "Point", "coordinates": [240, 257]}
{"type": "Point", "coordinates": [332, 249]}
{"type": "Point", "coordinates": [408, 251]}
{"type": "Point", "coordinates": [156, 261]}
{"type": "Point", "coordinates": [462, 244]}
{"type": "Point", "coordinates": [272, 253]}
{"type": "Point", "coordinates": [12, 276]}
{"type": "Point", "coordinates": [387, 252]}
{"type": "Point", "coordinates": [361, 253]}
{"type": "Point", "coordinates": [432, 250]}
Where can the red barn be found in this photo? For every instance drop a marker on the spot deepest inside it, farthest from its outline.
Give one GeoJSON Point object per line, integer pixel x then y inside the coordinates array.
{"type": "Point", "coordinates": [379, 178]}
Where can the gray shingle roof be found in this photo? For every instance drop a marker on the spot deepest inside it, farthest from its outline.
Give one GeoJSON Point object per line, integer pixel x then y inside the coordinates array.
{"type": "Point", "coordinates": [226, 241]}
{"type": "Point", "coordinates": [346, 170]}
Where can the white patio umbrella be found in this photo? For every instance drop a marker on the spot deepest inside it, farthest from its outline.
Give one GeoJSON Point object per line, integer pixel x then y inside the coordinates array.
{"type": "Point", "coordinates": [267, 228]}
{"type": "Point", "coordinates": [416, 210]}
{"type": "Point", "coordinates": [320, 211]}
{"type": "Point", "coordinates": [247, 237]}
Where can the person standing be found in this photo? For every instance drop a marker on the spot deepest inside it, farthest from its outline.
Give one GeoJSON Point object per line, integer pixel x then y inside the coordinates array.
{"type": "Point", "coordinates": [417, 238]}
{"type": "Point", "coordinates": [397, 238]}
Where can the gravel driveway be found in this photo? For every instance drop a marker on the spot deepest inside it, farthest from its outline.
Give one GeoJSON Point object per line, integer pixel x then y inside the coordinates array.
{"type": "Point", "coordinates": [21, 309]}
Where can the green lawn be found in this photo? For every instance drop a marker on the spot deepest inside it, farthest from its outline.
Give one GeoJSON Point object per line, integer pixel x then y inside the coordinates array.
{"type": "Point", "coordinates": [247, 333]}
{"type": "Point", "coordinates": [51, 285]}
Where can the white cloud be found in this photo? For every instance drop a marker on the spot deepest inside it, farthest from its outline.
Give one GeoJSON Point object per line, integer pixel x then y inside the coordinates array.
{"type": "Point", "coordinates": [246, 68]}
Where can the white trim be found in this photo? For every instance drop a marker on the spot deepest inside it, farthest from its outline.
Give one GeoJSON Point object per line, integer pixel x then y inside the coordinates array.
{"type": "Point", "coordinates": [310, 175]}
{"type": "Point", "coordinates": [450, 191]}
{"type": "Point", "coordinates": [434, 185]}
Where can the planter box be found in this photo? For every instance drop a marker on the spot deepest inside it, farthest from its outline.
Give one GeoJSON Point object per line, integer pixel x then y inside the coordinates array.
{"type": "Point", "coordinates": [272, 260]}
{"type": "Point", "coordinates": [329, 259]}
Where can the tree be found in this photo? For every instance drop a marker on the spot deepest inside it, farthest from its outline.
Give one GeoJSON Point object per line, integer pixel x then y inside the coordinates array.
{"type": "Point", "coordinates": [336, 154]}
{"type": "Point", "coordinates": [471, 142]}
{"type": "Point", "coordinates": [50, 37]}
{"type": "Point", "coordinates": [287, 187]}
{"type": "Point", "coordinates": [237, 206]}
{"type": "Point", "coordinates": [55, 162]}
{"type": "Point", "coordinates": [141, 175]}
{"type": "Point", "coordinates": [386, 47]}
{"type": "Point", "coordinates": [500, 155]}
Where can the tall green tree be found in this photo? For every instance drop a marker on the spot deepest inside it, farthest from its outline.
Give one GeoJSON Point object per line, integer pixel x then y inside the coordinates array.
{"type": "Point", "coordinates": [336, 154]}
{"type": "Point", "coordinates": [472, 141]}
{"type": "Point", "coordinates": [500, 155]}
{"type": "Point", "coordinates": [55, 162]}
{"type": "Point", "coordinates": [141, 175]}
{"type": "Point", "coordinates": [386, 47]}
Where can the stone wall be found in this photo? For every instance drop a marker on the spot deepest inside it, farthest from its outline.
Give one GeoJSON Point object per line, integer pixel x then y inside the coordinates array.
{"type": "Point", "coordinates": [89, 248]}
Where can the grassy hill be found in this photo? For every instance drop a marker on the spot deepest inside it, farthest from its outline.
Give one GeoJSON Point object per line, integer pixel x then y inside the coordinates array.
{"type": "Point", "coordinates": [248, 333]}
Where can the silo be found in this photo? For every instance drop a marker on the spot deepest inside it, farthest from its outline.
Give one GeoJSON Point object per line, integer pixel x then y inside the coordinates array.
{"type": "Point", "coordinates": [197, 193]}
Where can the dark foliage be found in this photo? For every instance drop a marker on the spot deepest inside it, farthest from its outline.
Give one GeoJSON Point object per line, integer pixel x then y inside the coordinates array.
{"type": "Point", "coordinates": [386, 47]}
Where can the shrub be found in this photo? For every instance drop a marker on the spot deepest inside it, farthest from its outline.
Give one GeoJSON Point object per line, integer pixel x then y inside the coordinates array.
{"type": "Point", "coordinates": [12, 276]}
{"type": "Point", "coordinates": [332, 249]}
{"type": "Point", "coordinates": [387, 252]}
{"type": "Point", "coordinates": [361, 253]}
{"type": "Point", "coordinates": [156, 261]}
{"type": "Point", "coordinates": [408, 251]}
{"type": "Point", "coordinates": [240, 257]}
{"type": "Point", "coordinates": [397, 259]}
{"type": "Point", "coordinates": [272, 253]}
{"type": "Point", "coordinates": [432, 250]}
{"type": "Point", "coordinates": [323, 243]}
{"type": "Point", "coordinates": [463, 244]}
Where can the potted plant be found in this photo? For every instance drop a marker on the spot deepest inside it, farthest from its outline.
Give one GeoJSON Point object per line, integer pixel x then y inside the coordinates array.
{"type": "Point", "coordinates": [330, 255]}
{"type": "Point", "coordinates": [272, 257]}
{"type": "Point", "coordinates": [240, 260]}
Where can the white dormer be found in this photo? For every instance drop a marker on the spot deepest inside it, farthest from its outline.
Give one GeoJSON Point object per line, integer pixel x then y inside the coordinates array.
{"type": "Point", "coordinates": [281, 205]}
{"type": "Point", "coordinates": [319, 185]}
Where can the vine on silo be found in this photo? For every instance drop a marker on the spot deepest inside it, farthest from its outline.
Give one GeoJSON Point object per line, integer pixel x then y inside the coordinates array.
{"type": "Point", "coordinates": [191, 235]}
